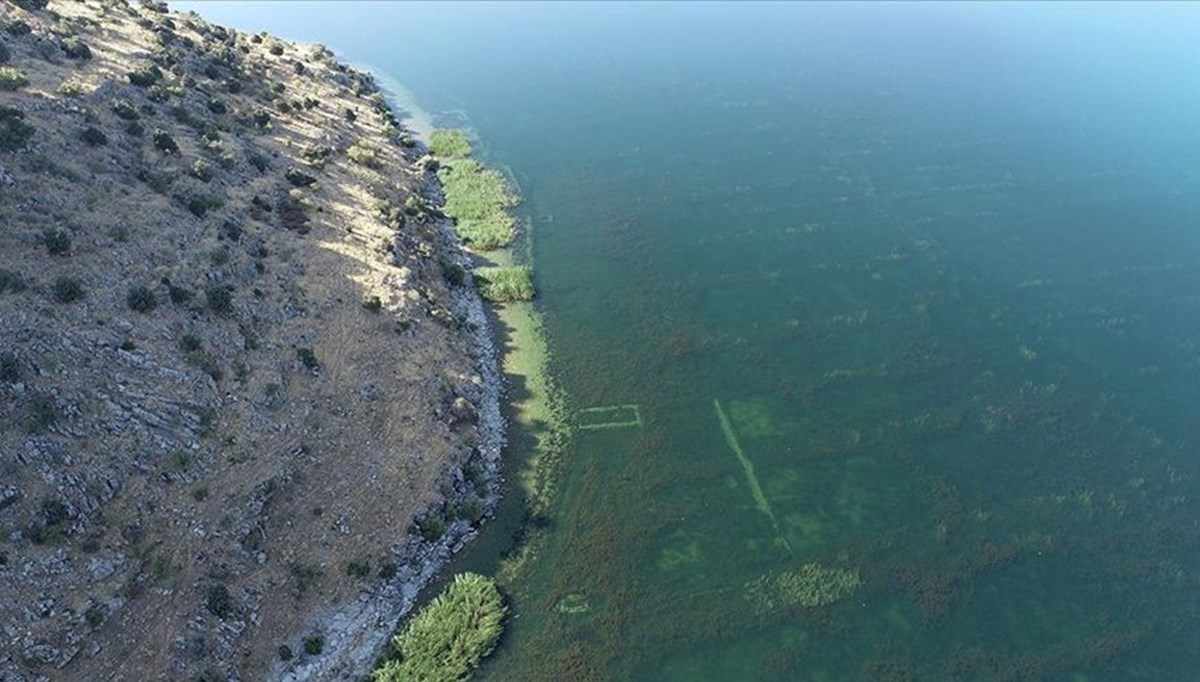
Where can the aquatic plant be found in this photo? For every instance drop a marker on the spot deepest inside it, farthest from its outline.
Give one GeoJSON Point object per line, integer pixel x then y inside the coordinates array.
{"type": "Point", "coordinates": [449, 143]}
{"type": "Point", "coordinates": [448, 638]}
{"type": "Point", "coordinates": [812, 586]}
{"type": "Point", "coordinates": [478, 199]}
{"type": "Point", "coordinates": [505, 284]}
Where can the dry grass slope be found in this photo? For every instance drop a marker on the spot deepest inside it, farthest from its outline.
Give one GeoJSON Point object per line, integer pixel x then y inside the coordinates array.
{"type": "Point", "coordinates": [229, 373]}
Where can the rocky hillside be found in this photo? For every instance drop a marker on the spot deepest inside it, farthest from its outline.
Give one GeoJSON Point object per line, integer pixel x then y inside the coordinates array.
{"type": "Point", "coordinates": [234, 360]}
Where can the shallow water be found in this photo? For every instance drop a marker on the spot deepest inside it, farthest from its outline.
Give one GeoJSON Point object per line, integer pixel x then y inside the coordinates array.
{"type": "Point", "coordinates": [880, 328]}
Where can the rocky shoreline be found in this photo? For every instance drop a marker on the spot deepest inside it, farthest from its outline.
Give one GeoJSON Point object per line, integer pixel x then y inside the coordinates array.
{"type": "Point", "coordinates": [355, 633]}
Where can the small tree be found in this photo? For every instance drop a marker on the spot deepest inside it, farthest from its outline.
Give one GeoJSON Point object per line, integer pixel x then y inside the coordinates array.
{"type": "Point", "coordinates": [93, 136]}
{"type": "Point", "coordinates": [12, 79]}
{"type": "Point", "coordinates": [141, 299]}
{"type": "Point", "coordinates": [220, 299]}
{"type": "Point", "coordinates": [67, 289]}
{"type": "Point", "coordinates": [164, 142]}
{"type": "Point", "coordinates": [57, 242]}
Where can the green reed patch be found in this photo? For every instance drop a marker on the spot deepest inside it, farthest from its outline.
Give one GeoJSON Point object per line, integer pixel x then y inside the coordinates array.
{"type": "Point", "coordinates": [478, 199]}
{"type": "Point", "coordinates": [505, 284]}
{"type": "Point", "coordinates": [449, 143]}
{"type": "Point", "coordinates": [448, 638]}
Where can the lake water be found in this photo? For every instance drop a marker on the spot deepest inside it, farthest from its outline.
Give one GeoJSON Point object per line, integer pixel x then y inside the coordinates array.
{"type": "Point", "coordinates": [879, 326]}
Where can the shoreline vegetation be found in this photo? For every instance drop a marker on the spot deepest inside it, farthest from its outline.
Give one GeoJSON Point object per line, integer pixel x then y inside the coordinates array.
{"type": "Point", "coordinates": [479, 201]}
{"type": "Point", "coordinates": [448, 638]}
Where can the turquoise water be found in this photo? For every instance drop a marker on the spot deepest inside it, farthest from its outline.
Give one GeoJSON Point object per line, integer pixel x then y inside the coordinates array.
{"type": "Point", "coordinates": [897, 312]}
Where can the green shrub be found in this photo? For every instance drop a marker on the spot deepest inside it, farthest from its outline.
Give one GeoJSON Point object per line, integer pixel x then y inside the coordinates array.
{"type": "Point", "coordinates": [76, 49]}
{"type": "Point", "coordinates": [230, 230]}
{"type": "Point", "coordinates": [387, 570]}
{"type": "Point", "coordinates": [12, 79]}
{"type": "Point", "coordinates": [18, 29]}
{"type": "Point", "coordinates": [178, 294]}
{"type": "Point", "coordinates": [93, 136]}
{"type": "Point", "coordinates": [317, 156]}
{"type": "Point", "coordinates": [190, 343]}
{"type": "Point", "coordinates": [217, 106]}
{"type": "Point", "coordinates": [5, 54]}
{"type": "Point", "coordinates": [10, 368]}
{"type": "Point", "coordinates": [308, 358]}
{"type": "Point", "coordinates": [157, 94]}
{"type": "Point", "coordinates": [358, 569]}
{"type": "Point", "coordinates": [449, 144]}
{"type": "Point", "coordinates": [141, 299]}
{"type": "Point", "coordinates": [146, 76]}
{"type": "Point", "coordinates": [201, 204]}
{"type": "Point", "coordinates": [11, 280]}
{"type": "Point", "coordinates": [372, 304]}
{"type": "Point", "coordinates": [219, 601]}
{"type": "Point", "coordinates": [220, 299]}
{"type": "Point", "coordinates": [471, 510]}
{"type": "Point", "coordinates": [350, 115]}
{"type": "Point", "coordinates": [14, 131]}
{"type": "Point", "coordinates": [432, 527]}
{"type": "Point", "coordinates": [454, 273]}
{"type": "Point", "coordinates": [505, 284]}
{"type": "Point", "coordinates": [298, 177]}
{"type": "Point", "coordinates": [413, 206]}
{"type": "Point", "coordinates": [285, 653]}
{"type": "Point", "coordinates": [123, 108]}
{"type": "Point", "coordinates": [43, 414]}
{"type": "Point", "coordinates": [448, 638]}
{"type": "Point", "coordinates": [364, 154]}
{"type": "Point", "coordinates": [164, 143]}
{"type": "Point", "coordinates": [313, 646]}
{"type": "Point", "coordinates": [67, 289]}
{"type": "Point", "coordinates": [70, 88]}
{"type": "Point", "coordinates": [57, 242]}
{"type": "Point", "coordinates": [202, 170]}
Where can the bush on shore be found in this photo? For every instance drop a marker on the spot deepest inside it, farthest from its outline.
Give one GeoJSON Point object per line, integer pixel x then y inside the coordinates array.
{"type": "Point", "coordinates": [447, 639]}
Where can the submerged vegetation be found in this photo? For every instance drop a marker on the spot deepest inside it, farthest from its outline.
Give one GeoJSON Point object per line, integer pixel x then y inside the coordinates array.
{"type": "Point", "coordinates": [505, 284]}
{"type": "Point", "coordinates": [450, 636]}
{"type": "Point", "coordinates": [812, 586]}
